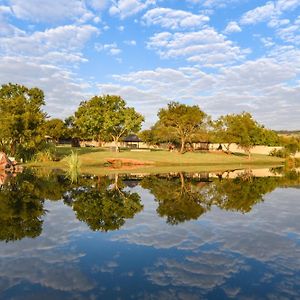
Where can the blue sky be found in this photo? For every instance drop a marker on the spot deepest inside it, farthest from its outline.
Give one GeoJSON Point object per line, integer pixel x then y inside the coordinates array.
{"type": "Point", "coordinates": [227, 56]}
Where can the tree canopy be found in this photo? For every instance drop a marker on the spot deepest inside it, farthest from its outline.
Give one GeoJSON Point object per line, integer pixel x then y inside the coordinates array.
{"type": "Point", "coordinates": [107, 117]}
{"type": "Point", "coordinates": [55, 128]}
{"type": "Point", "coordinates": [243, 130]}
{"type": "Point", "coordinates": [21, 120]}
{"type": "Point", "coordinates": [185, 120]}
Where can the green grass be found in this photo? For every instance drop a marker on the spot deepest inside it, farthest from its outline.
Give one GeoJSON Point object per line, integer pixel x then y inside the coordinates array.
{"type": "Point", "coordinates": [94, 160]}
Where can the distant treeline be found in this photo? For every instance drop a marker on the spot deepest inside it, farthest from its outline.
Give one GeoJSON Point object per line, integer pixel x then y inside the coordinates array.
{"type": "Point", "coordinates": [25, 128]}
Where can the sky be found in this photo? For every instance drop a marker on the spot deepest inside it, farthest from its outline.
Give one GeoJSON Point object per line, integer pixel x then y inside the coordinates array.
{"type": "Point", "coordinates": [227, 56]}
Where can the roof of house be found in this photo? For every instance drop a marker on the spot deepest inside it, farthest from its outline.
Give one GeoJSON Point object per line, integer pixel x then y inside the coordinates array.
{"type": "Point", "coordinates": [132, 138]}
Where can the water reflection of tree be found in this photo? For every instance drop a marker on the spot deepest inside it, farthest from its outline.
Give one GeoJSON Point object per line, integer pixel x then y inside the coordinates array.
{"type": "Point", "coordinates": [178, 199]}
{"type": "Point", "coordinates": [105, 206]}
{"type": "Point", "coordinates": [21, 208]}
{"type": "Point", "coordinates": [181, 199]}
{"type": "Point", "coordinates": [22, 201]}
{"type": "Point", "coordinates": [242, 193]}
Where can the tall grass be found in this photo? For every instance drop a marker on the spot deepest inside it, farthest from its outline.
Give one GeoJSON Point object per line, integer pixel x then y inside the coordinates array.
{"type": "Point", "coordinates": [74, 164]}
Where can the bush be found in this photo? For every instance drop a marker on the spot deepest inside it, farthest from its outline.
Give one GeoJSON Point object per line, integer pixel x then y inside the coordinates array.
{"type": "Point", "coordinates": [44, 156]}
{"type": "Point", "coordinates": [46, 153]}
{"type": "Point", "coordinates": [279, 153]}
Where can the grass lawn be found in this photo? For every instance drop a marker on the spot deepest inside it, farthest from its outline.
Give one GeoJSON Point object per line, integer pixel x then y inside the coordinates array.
{"type": "Point", "coordinates": [94, 160]}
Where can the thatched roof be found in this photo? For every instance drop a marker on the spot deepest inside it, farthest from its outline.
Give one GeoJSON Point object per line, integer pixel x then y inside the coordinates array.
{"type": "Point", "coordinates": [132, 138]}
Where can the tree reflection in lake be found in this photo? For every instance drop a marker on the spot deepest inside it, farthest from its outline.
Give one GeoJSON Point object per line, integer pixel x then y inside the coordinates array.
{"type": "Point", "coordinates": [105, 206]}
{"type": "Point", "coordinates": [181, 197]}
{"type": "Point", "coordinates": [21, 208]}
{"type": "Point", "coordinates": [178, 199]}
{"type": "Point", "coordinates": [104, 203]}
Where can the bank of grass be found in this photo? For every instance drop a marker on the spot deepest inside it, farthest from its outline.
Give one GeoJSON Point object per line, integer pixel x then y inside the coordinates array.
{"type": "Point", "coordinates": [94, 161]}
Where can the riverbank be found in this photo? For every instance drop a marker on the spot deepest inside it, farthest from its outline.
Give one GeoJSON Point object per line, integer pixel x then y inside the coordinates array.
{"type": "Point", "coordinates": [95, 161]}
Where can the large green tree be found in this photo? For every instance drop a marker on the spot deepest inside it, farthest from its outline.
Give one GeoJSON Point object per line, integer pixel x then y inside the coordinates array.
{"type": "Point", "coordinates": [21, 120]}
{"type": "Point", "coordinates": [241, 129]}
{"type": "Point", "coordinates": [89, 118]}
{"type": "Point", "coordinates": [120, 120]}
{"type": "Point", "coordinates": [55, 128]}
{"type": "Point", "coordinates": [107, 117]}
{"type": "Point", "coordinates": [185, 120]}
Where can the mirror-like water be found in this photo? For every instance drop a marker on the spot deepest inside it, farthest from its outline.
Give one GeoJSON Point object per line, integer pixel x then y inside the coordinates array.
{"type": "Point", "coordinates": [167, 236]}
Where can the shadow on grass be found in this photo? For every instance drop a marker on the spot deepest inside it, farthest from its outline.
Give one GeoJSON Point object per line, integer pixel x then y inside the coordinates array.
{"type": "Point", "coordinates": [240, 154]}
{"type": "Point", "coordinates": [61, 152]}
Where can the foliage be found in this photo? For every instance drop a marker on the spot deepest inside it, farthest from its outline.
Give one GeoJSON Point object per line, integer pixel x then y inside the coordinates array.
{"type": "Point", "coordinates": [159, 134]}
{"type": "Point", "coordinates": [105, 208]}
{"type": "Point", "coordinates": [107, 117]}
{"type": "Point", "coordinates": [44, 156]}
{"type": "Point", "coordinates": [89, 118]}
{"type": "Point", "coordinates": [185, 120]}
{"type": "Point", "coordinates": [279, 153]}
{"type": "Point", "coordinates": [73, 166]}
{"type": "Point", "coordinates": [56, 128]}
{"type": "Point", "coordinates": [243, 192]}
{"type": "Point", "coordinates": [120, 120]}
{"type": "Point", "coordinates": [21, 209]}
{"type": "Point", "coordinates": [291, 146]}
{"type": "Point", "coordinates": [21, 120]}
{"type": "Point", "coordinates": [243, 130]}
{"type": "Point", "coordinates": [177, 199]}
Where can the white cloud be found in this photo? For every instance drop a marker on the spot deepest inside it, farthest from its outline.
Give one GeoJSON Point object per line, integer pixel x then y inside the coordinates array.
{"type": "Point", "coordinates": [63, 92]}
{"type": "Point", "coordinates": [253, 86]}
{"type": "Point", "coordinates": [63, 41]}
{"type": "Point", "coordinates": [126, 8]}
{"type": "Point", "coordinates": [284, 5]}
{"type": "Point", "coordinates": [291, 33]}
{"type": "Point", "coordinates": [98, 4]}
{"type": "Point", "coordinates": [271, 11]}
{"type": "Point", "coordinates": [174, 19]}
{"type": "Point", "coordinates": [50, 11]}
{"type": "Point", "coordinates": [215, 3]}
{"type": "Point", "coordinates": [267, 41]}
{"type": "Point", "coordinates": [259, 14]}
{"type": "Point", "coordinates": [130, 42]}
{"type": "Point", "coordinates": [112, 49]}
{"type": "Point", "coordinates": [232, 27]}
{"type": "Point", "coordinates": [7, 29]}
{"type": "Point", "coordinates": [205, 47]}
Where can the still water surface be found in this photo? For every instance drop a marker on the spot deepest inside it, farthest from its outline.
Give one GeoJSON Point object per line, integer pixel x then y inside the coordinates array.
{"type": "Point", "coordinates": [168, 236]}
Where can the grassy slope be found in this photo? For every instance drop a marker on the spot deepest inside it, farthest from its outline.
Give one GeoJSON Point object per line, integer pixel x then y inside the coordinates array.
{"type": "Point", "coordinates": [93, 161]}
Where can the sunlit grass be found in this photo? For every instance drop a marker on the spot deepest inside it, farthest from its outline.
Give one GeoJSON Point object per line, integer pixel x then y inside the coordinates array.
{"type": "Point", "coordinates": [94, 161]}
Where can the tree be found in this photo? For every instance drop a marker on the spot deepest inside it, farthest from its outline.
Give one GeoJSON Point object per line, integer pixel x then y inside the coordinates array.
{"type": "Point", "coordinates": [56, 128]}
{"type": "Point", "coordinates": [184, 119]}
{"type": "Point", "coordinates": [21, 120]}
{"type": "Point", "coordinates": [89, 118]}
{"type": "Point", "coordinates": [107, 117]}
{"type": "Point", "coordinates": [158, 134]}
{"type": "Point", "coordinates": [241, 129]}
{"type": "Point", "coordinates": [120, 120]}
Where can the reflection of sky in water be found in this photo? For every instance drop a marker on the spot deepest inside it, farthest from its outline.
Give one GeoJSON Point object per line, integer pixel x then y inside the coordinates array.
{"type": "Point", "coordinates": [221, 255]}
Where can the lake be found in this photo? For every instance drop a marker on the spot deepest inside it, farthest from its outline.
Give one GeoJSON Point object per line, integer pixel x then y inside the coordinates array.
{"type": "Point", "coordinates": [231, 235]}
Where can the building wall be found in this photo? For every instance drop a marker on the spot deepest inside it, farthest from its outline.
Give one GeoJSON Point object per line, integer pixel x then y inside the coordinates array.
{"type": "Point", "coordinates": [255, 150]}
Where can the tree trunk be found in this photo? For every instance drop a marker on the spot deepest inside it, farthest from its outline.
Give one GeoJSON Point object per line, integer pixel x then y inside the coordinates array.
{"type": "Point", "coordinates": [228, 148]}
{"type": "Point", "coordinates": [116, 141]}
{"type": "Point", "coordinates": [182, 145]}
